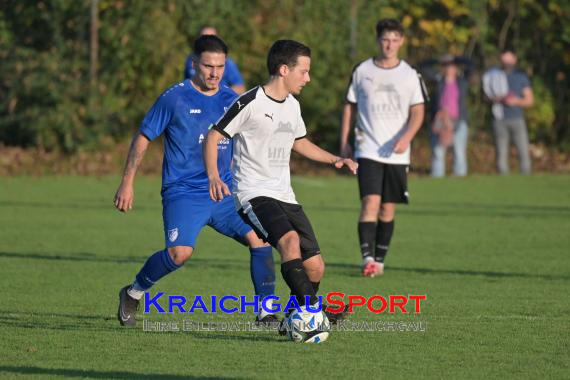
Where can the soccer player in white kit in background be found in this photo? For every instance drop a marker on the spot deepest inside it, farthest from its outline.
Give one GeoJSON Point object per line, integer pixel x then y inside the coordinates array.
{"type": "Point", "coordinates": [387, 97]}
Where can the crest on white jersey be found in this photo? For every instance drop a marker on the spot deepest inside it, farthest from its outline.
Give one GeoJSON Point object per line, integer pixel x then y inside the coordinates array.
{"type": "Point", "coordinates": [284, 128]}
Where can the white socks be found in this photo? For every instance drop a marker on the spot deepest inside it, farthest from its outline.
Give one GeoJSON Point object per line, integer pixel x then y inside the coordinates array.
{"type": "Point", "coordinates": [135, 291]}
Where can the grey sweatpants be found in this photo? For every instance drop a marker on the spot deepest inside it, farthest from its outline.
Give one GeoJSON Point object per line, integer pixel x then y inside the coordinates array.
{"type": "Point", "coordinates": [516, 128]}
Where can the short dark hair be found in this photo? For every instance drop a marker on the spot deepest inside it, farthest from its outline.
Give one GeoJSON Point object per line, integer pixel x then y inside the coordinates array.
{"type": "Point", "coordinates": [509, 49]}
{"type": "Point", "coordinates": [389, 25]}
{"type": "Point", "coordinates": [285, 52]}
{"type": "Point", "coordinates": [211, 44]}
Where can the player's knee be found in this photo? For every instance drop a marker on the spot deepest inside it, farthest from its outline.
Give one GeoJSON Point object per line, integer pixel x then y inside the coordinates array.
{"type": "Point", "coordinates": [291, 239]}
{"type": "Point", "coordinates": [387, 212]}
{"type": "Point", "coordinates": [370, 205]}
{"type": "Point", "coordinates": [253, 241]}
{"type": "Point", "coordinates": [180, 254]}
{"type": "Point", "coordinates": [315, 268]}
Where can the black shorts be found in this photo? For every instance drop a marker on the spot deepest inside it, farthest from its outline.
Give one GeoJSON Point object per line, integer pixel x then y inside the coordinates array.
{"type": "Point", "coordinates": [390, 181]}
{"type": "Point", "coordinates": [271, 219]}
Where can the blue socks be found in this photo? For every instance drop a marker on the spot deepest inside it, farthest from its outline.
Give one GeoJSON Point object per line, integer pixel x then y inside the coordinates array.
{"type": "Point", "coordinates": [262, 271]}
{"type": "Point", "coordinates": [156, 267]}
{"type": "Point", "coordinates": [261, 266]}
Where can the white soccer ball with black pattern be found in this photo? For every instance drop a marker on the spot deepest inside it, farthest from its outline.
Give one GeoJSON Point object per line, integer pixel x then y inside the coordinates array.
{"type": "Point", "coordinates": [307, 327]}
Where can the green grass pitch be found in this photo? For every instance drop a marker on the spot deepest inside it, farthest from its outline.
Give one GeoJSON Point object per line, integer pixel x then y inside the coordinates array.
{"type": "Point", "coordinates": [492, 254]}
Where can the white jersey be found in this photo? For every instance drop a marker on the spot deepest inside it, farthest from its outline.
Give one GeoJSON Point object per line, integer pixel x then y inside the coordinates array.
{"type": "Point", "coordinates": [383, 98]}
{"type": "Point", "coordinates": [264, 130]}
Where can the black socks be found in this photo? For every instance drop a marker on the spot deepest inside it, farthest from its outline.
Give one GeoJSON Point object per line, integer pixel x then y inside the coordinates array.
{"type": "Point", "coordinates": [296, 278]}
{"type": "Point", "coordinates": [384, 231]}
{"type": "Point", "coordinates": [367, 236]}
{"type": "Point", "coordinates": [375, 239]}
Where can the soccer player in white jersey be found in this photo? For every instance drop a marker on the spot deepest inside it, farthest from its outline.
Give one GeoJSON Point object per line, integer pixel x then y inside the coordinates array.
{"type": "Point", "coordinates": [266, 124]}
{"type": "Point", "coordinates": [387, 97]}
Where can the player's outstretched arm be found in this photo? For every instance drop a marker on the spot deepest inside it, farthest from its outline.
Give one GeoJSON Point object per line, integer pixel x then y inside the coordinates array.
{"type": "Point", "coordinates": [124, 197]}
{"type": "Point", "coordinates": [414, 124]}
{"type": "Point", "coordinates": [218, 189]}
{"type": "Point", "coordinates": [348, 112]}
{"type": "Point", "coordinates": [306, 148]}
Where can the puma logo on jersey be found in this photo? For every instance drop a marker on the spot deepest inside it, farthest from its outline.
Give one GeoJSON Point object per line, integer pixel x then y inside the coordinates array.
{"type": "Point", "coordinates": [269, 116]}
{"type": "Point", "coordinates": [368, 79]}
{"type": "Point", "coordinates": [195, 110]}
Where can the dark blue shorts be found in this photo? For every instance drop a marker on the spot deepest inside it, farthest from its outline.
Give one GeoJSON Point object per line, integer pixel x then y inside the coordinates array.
{"type": "Point", "coordinates": [184, 218]}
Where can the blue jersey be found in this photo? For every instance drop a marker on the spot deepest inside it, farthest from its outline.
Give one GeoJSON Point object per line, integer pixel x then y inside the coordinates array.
{"type": "Point", "coordinates": [230, 78]}
{"type": "Point", "coordinates": [184, 115]}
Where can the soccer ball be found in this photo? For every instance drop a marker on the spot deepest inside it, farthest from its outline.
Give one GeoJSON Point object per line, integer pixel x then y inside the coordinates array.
{"type": "Point", "coordinates": [307, 327]}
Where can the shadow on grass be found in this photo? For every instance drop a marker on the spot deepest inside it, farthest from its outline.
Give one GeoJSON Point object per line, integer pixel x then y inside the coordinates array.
{"type": "Point", "coordinates": [80, 256]}
{"type": "Point", "coordinates": [15, 314]}
{"type": "Point", "coordinates": [354, 271]}
{"type": "Point", "coordinates": [77, 322]}
{"type": "Point", "coordinates": [91, 257]}
{"type": "Point", "coordinates": [57, 321]}
{"type": "Point", "coordinates": [480, 273]}
{"type": "Point", "coordinates": [351, 270]}
{"type": "Point", "coordinates": [92, 374]}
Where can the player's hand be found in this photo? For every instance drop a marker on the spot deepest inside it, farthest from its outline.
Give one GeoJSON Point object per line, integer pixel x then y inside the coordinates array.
{"type": "Point", "coordinates": [351, 165]}
{"type": "Point", "coordinates": [346, 151]}
{"type": "Point", "coordinates": [402, 145]}
{"type": "Point", "coordinates": [124, 197]}
{"type": "Point", "coordinates": [218, 189]}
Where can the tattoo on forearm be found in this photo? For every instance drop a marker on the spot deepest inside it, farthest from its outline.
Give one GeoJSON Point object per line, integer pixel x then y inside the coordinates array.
{"type": "Point", "coordinates": [134, 159]}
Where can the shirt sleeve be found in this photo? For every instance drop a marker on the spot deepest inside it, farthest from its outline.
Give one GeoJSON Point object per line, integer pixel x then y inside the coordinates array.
{"type": "Point", "coordinates": [301, 130]}
{"type": "Point", "coordinates": [234, 120]}
{"type": "Point", "coordinates": [417, 90]}
{"type": "Point", "coordinates": [351, 91]}
{"type": "Point", "coordinates": [232, 74]}
{"type": "Point", "coordinates": [159, 116]}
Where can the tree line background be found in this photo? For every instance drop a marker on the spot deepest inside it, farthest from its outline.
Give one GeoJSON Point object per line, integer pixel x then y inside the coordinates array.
{"type": "Point", "coordinates": [79, 75]}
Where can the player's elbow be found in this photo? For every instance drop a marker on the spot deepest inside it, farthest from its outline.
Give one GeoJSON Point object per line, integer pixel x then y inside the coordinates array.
{"type": "Point", "coordinates": [212, 138]}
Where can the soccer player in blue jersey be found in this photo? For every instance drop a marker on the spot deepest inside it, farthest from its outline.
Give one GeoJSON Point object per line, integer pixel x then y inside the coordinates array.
{"type": "Point", "coordinates": [183, 114]}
